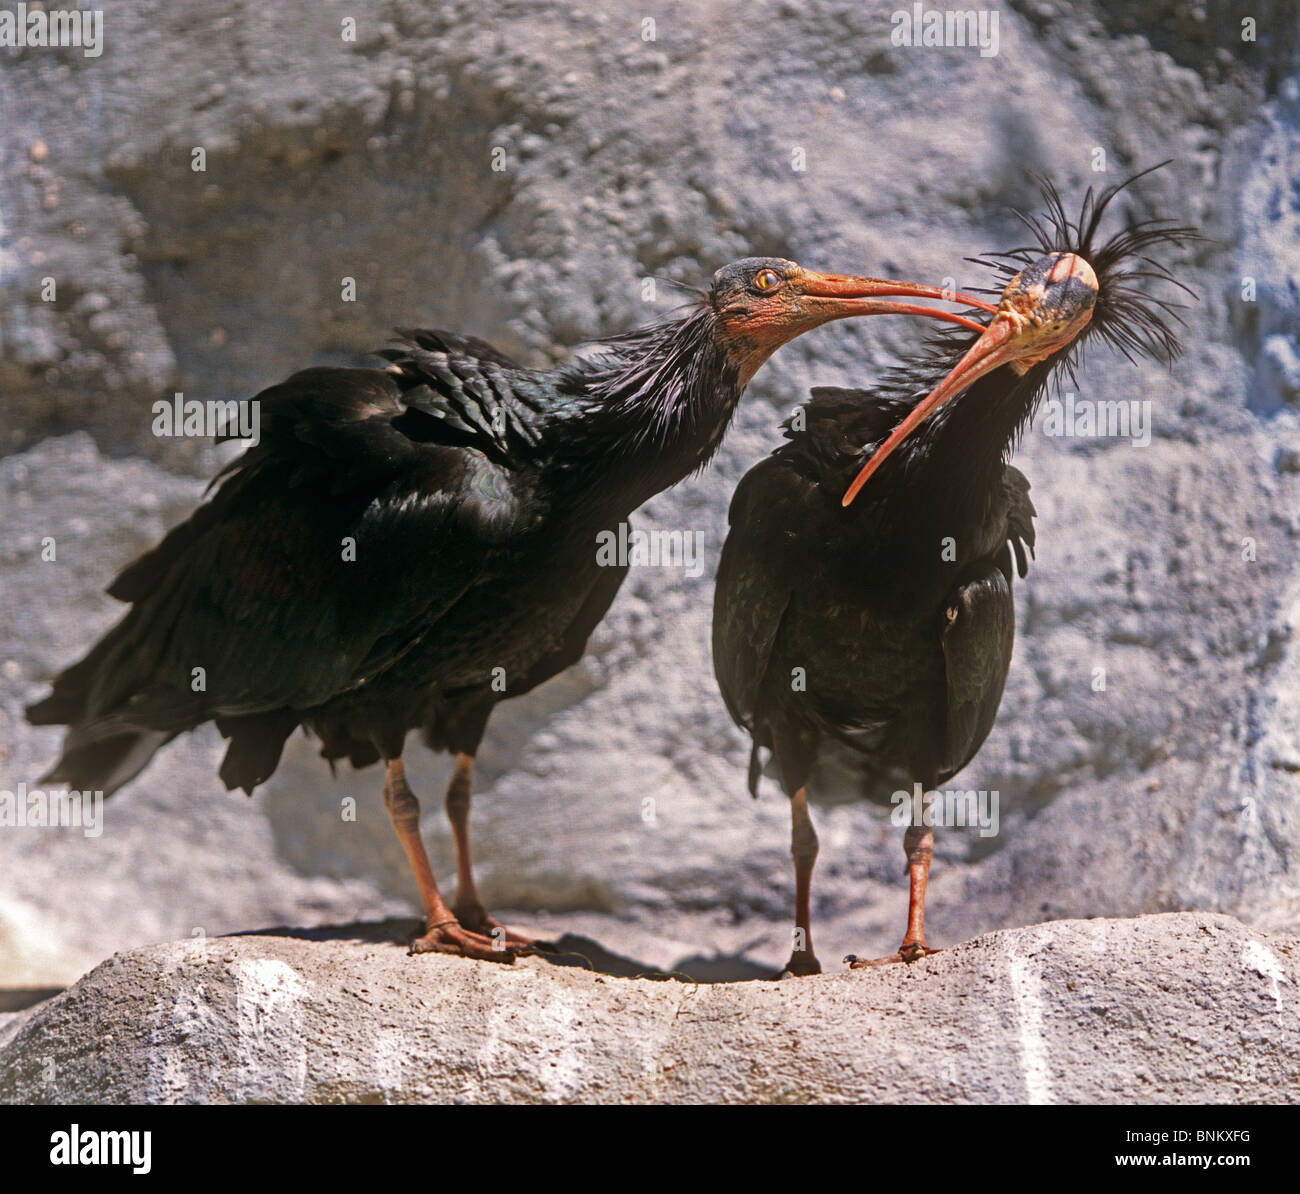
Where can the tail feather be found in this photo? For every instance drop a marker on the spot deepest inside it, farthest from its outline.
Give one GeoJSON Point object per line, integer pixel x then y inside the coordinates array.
{"type": "Point", "coordinates": [755, 769]}
{"type": "Point", "coordinates": [93, 761]}
{"type": "Point", "coordinates": [116, 724]}
{"type": "Point", "coordinates": [99, 754]}
{"type": "Point", "coordinates": [256, 744]}
{"type": "Point", "coordinates": [118, 712]}
{"type": "Point", "coordinates": [108, 743]}
{"type": "Point", "coordinates": [115, 678]}
{"type": "Point", "coordinates": [69, 700]}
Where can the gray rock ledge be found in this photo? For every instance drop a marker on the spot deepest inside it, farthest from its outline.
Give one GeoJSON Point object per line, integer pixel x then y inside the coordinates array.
{"type": "Point", "coordinates": [1174, 1008]}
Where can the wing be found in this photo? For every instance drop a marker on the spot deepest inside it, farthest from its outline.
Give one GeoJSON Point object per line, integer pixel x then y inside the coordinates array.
{"type": "Point", "coordinates": [752, 593]}
{"type": "Point", "coordinates": [1020, 520]}
{"type": "Point", "coordinates": [462, 391]}
{"type": "Point", "coordinates": [845, 421]}
{"type": "Point", "coordinates": [574, 641]}
{"type": "Point", "coordinates": [373, 501]}
{"type": "Point", "coordinates": [979, 632]}
{"type": "Point", "coordinates": [978, 635]}
{"type": "Point", "coordinates": [459, 721]}
{"type": "Point", "coordinates": [436, 340]}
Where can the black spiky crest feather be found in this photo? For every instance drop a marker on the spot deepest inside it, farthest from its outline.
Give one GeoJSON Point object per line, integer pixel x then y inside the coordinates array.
{"type": "Point", "coordinates": [1129, 318]}
{"type": "Point", "coordinates": [835, 430]}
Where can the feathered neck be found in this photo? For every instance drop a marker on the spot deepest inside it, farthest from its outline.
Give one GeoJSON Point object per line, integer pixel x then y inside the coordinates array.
{"type": "Point", "coordinates": [648, 409]}
{"type": "Point", "coordinates": [957, 451]}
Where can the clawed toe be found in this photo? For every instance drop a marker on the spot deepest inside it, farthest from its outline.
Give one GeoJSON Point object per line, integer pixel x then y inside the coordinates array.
{"type": "Point", "coordinates": [915, 951]}
{"type": "Point", "coordinates": [474, 917]}
{"type": "Point", "coordinates": [450, 937]}
{"type": "Point", "coordinates": [910, 952]}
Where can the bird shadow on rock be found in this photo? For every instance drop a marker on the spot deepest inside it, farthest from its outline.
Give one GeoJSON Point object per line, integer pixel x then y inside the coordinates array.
{"type": "Point", "coordinates": [392, 931]}
{"type": "Point", "coordinates": [570, 950]}
{"type": "Point", "coordinates": [18, 999]}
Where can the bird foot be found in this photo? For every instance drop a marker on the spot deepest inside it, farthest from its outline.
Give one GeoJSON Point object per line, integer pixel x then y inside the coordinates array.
{"type": "Point", "coordinates": [909, 951]}
{"type": "Point", "coordinates": [801, 964]}
{"type": "Point", "coordinates": [450, 937]}
{"type": "Point", "coordinates": [473, 916]}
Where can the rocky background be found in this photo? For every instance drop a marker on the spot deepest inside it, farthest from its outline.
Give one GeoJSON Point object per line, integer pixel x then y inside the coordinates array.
{"type": "Point", "coordinates": [1173, 567]}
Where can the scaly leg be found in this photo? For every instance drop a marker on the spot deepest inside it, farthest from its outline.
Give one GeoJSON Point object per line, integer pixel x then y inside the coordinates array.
{"type": "Point", "coordinates": [803, 849]}
{"type": "Point", "coordinates": [469, 908]}
{"type": "Point", "coordinates": [443, 932]}
{"type": "Point", "coordinates": [918, 845]}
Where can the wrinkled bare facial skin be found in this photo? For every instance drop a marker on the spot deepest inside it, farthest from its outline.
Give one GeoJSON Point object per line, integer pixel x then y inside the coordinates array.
{"type": "Point", "coordinates": [1050, 302]}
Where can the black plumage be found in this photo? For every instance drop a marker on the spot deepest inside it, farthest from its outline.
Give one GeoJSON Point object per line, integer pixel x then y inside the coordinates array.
{"type": "Point", "coordinates": [886, 620]}
{"type": "Point", "coordinates": [406, 546]}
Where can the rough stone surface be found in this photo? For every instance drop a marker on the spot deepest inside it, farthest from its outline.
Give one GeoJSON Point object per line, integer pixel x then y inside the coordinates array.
{"type": "Point", "coordinates": [1176, 787]}
{"type": "Point", "coordinates": [1177, 1008]}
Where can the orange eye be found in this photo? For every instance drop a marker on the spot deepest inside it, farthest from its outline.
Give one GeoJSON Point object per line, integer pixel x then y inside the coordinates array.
{"type": "Point", "coordinates": [767, 279]}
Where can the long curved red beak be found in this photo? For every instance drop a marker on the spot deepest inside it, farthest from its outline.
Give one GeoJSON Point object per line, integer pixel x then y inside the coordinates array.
{"type": "Point", "coordinates": [847, 295]}
{"type": "Point", "coordinates": [995, 347]}
{"type": "Point", "coordinates": [1024, 331]}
